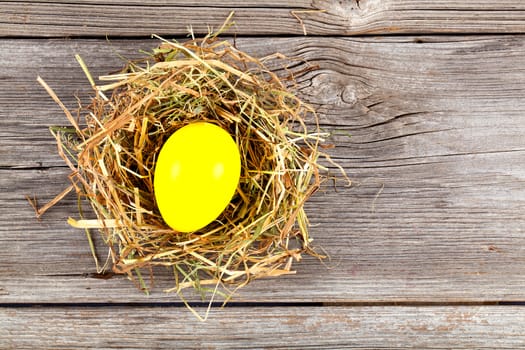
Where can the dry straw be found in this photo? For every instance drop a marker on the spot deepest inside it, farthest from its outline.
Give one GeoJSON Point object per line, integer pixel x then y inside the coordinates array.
{"type": "Point", "coordinates": [112, 155]}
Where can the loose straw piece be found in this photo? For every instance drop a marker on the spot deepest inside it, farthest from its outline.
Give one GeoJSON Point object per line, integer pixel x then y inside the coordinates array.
{"type": "Point", "coordinates": [90, 224]}
{"type": "Point", "coordinates": [40, 211]}
{"type": "Point", "coordinates": [58, 102]}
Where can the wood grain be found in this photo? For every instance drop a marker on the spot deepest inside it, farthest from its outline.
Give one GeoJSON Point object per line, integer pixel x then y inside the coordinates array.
{"type": "Point", "coordinates": [44, 18]}
{"type": "Point", "coordinates": [436, 152]}
{"type": "Point", "coordinates": [263, 327]}
{"type": "Point", "coordinates": [431, 236]}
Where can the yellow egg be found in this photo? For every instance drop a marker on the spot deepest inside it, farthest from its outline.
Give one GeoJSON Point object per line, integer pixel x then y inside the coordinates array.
{"type": "Point", "coordinates": [196, 175]}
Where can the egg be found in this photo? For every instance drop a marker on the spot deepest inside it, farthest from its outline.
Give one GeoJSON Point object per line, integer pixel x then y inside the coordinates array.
{"type": "Point", "coordinates": [196, 175]}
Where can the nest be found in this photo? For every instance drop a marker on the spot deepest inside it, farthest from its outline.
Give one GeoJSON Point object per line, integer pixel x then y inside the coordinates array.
{"type": "Point", "coordinates": [112, 152]}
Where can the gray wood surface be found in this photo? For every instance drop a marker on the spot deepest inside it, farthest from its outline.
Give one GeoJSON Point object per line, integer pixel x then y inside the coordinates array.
{"type": "Point", "coordinates": [431, 129]}
{"type": "Point", "coordinates": [263, 327]}
{"type": "Point", "coordinates": [436, 152]}
{"type": "Point", "coordinates": [268, 17]}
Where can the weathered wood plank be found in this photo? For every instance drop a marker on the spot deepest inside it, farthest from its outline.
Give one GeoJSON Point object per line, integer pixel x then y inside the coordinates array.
{"type": "Point", "coordinates": [370, 88]}
{"type": "Point", "coordinates": [436, 154]}
{"type": "Point", "coordinates": [486, 327]}
{"type": "Point", "coordinates": [269, 17]}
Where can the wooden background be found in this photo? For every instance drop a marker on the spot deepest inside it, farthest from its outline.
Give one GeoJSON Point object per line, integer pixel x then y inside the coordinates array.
{"type": "Point", "coordinates": [427, 247]}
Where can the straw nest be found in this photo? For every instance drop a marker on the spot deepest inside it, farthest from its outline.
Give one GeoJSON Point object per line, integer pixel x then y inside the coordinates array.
{"type": "Point", "coordinates": [112, 153]}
